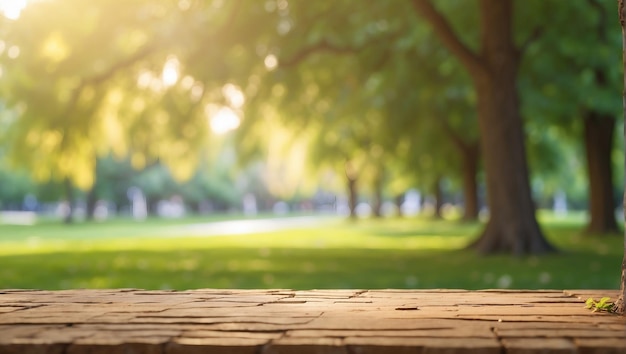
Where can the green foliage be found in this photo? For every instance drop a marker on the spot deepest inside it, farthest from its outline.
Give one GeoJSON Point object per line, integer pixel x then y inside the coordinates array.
{"type": "Point", "coordinates": [380, 68]}
{"type": "Point", "coordinates": [209, 183]}
{"type": "Point", "coordinates": [369, 85]}
{"type": "Point", "coordinates": [57, 113]}
{"type": "Point", "coordinates": [87, 82]}
{"type": "Point", "coordinates": [605, 304]}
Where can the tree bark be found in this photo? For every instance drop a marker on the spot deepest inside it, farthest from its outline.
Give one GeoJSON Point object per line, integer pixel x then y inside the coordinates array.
{"type": "Point", "coordinates": [620, 304]}
{"type": "Point", "coordinates": [598, 137]}
{"type": "Point", "coordinates": [512, 226]}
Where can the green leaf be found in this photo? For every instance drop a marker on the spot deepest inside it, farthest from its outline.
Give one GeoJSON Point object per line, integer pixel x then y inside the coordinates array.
{"type": "Point", "coordinates": [604, 304]}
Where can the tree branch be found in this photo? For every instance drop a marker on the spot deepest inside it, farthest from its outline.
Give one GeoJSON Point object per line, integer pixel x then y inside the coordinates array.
{"type": "Point", "coordinates": [105, 75]}
{"type": "Point", "coordinates": [226, 26]}
{"type": "Point", "coordinates": [322, 46]}
{"type": "Point", "coordinates": [444, 31]}
{"type": "Point", "coordinates": [454, 136]}
{"type": "Point", "coordinates": [131, 60]}
{"type": "Point", "coordinates": [326, 46]}
{"type": "Point", "coordinates": [382, 61]}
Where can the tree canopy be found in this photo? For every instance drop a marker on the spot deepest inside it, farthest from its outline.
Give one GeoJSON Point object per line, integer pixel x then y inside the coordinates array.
{"type": "Point", "coordinates": [493, 99]}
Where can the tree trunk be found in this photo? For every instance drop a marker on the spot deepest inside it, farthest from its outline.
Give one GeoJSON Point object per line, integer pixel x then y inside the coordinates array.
{"type": "Point", "coordinates": [68, 218]}
{"type": "Point", "coordinates": [399, 201]}
{"type": "Point", "coordinates": [598, 133]}
{"type": "Point", "coordinates": [92, 197]}
{"type": "Point", "coordinates": [470, 186]}
{"type": "Point", "coordinates": [352, 197]}
{"type": "Point", "coordinates": [438, 194]}
{"type": "Point", "coordinates": [91, 204]}
{"type": "Point", "coordinates": [512, 226]}
{"type": "Point", "coordinates": [469, 152]}
{"type": "Point", "coordinates": [377, 202]}
{"type": "Point", "coordinates": [351, 178]}
{"type": "Point", "coordinates": [621, 300]}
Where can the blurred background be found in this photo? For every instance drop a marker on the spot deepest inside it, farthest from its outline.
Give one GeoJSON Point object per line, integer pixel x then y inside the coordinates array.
{"type": "Point", "coordinates": [345, 144]}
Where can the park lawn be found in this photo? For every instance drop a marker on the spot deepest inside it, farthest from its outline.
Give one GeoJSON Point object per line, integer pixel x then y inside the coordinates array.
{"type": "Point", "coordinates": [368, 254]}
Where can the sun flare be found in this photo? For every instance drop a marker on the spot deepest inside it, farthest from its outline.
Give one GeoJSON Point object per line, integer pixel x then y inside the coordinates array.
{"type": "Point", "coordinates": [224, 121]}
{"type": "Point", "coordinates": [12, 8]}
{"type": "Point", "coordinates": [171, 72]}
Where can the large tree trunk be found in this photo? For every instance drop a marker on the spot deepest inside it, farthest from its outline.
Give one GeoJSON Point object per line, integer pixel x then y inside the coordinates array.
{"type": "Point", "coordinates": [512, 226]}
{"type": "Point", "coordinates": [598, 133]}
{"type": "Point", "coordinates": [621, 300]}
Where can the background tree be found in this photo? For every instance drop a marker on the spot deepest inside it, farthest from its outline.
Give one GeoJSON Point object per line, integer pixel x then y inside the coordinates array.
{"type": "Point", "coordinates": [512, 226]}
{"type": "Point", "coordinates": [581, 68]}
{"type": "Point", "coordinates": [599, 130]}
{"type": "Point", "coordinates": [380, 79]}
{"type": "Point", "coordinates": [433, 107]}
{"type": "Point", "coordinates": [369, 88]}
{"type": "Point", "coordinates": [114, 83]}
{"type": "Point", "coordinates": [72, 45]}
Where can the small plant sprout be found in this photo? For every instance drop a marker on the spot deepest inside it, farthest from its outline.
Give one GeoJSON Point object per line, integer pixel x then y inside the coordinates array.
{"type": "Point", "coordinates": [605, 304]}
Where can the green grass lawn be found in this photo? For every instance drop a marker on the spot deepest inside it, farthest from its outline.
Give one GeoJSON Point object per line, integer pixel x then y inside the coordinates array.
{"type": "Point", "coordinates": [390, 253]}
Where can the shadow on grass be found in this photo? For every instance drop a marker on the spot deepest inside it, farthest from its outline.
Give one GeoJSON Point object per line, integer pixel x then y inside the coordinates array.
{"type": "Point", "coordinates": [422, 227]}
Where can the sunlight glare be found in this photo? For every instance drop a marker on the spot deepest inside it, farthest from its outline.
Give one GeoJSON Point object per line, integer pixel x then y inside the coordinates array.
{"type": "Point", "coordinates": [224, 120]}
{"type": "Point", "coordinates": [55, 47]}
{"type": "Point", "coordinates": [234, 95]}
{"type": "Point", "coordinates": [144, 79]}
{"type": "Point", "coordinates": [14, 52]}
{"type": "Point", "coordinates": [271, 62]}
{"type": "Point", "coordinates": [12, 8]}
{"type": "Point", "coordinates": [170, 72]}
{"type": "Point", "coordinates": [197, 91]}
{"type": "Point", "coordinates": [187, 82]}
